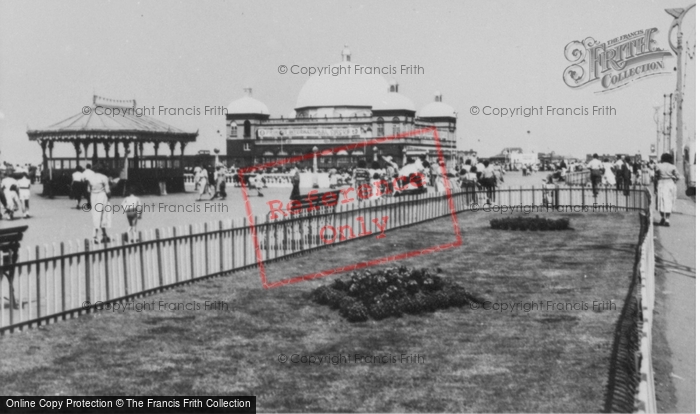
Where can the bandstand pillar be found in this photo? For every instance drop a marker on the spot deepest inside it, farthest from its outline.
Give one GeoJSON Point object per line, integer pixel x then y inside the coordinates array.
{"type": "Point", "coordinates": [106, 146]}
{"type": "Point", "coordinates": [183, 144]}
{"type": "Point", "coordinates": [94, 153]}
{"type": "Point", "coordinates": [140, 145]}
{"type": "Point", "coordinates": [76, 145]}
{"type": "Point", "coordinates": [86, 146]}
{"type": "Point", "coordinates": [44, 160]}
{"type": "Point", "coordinates": [136, 155]}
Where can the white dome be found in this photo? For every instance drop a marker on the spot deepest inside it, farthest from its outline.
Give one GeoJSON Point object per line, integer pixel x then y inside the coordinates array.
{"type": "Point", "coordinates": [437, 110]}
{"type": "Point", "coordinates": [247, 105]}
{"type": "Point", "coordinates": [346, 89]}
{"type": "Point", "coordinates": [394, 101]}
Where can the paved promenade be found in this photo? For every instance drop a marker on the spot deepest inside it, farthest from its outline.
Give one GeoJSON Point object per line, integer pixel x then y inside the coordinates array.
{"type": "Point", "coordinates": [675, 255]}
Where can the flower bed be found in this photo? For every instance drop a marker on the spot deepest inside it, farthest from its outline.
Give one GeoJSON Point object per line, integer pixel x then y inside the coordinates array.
{"type": "Point", "coordinates": [530, 223]}
{"type": "Point", "coordinates": [392, 292]}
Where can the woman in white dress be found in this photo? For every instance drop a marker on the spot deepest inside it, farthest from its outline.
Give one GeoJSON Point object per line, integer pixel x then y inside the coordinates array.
{"type": "Point", "coordinates": [202, 180]}
{"type": "Point", "coordinates": [98, 186]}
{"type": "Point", "coordinates": [608, 173]}
{"type": "Point", "coordinates": [667, 175]}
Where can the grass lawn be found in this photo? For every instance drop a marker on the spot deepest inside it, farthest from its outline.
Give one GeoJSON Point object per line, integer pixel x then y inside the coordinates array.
{"type": "Point", "coordinates": [473, 360]}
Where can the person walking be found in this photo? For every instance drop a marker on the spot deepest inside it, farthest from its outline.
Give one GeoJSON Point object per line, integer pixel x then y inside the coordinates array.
{"type": "Point", "coordinates": [488, 181]}
{"type": "Point", "coordinates": [296, 179]}
{"type": "Point", "coordinates": [133, 209]}
{"type": "Point", "coordinates": [202, 180]}
{"type": "Point", "coordinates": [667, 175]}
{"type": "Point", "coordinates": [77, 186]}
{"type": "Point", "coordinates": [255, 181]}
{"type": "Point", "coordinates": [98, 185]}
{"type": "Point", "coordinates": [626, 176]}
{"type": "Point", "coordinates": [220, 186]}
{"type": "Point", "coordinates": [596, 169]}
{"type": "Point", "coordinates": [468, 182]}
{"type": "Point", "coordinates": [87, 174]}
{"type": "Point", "coordinates": [609, 176]}
{"type": "Point", "coordinates": [619, 180]}
{"type": "Point", "coordinates": [25, 185]}
{"type": "Point", "coordinates": [480, 170]}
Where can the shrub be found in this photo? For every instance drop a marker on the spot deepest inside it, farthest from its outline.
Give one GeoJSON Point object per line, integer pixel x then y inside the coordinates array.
{"type": "Point", "coordinates": [529, 223]}
{"type": "Point", "coordinates": [391, 292]}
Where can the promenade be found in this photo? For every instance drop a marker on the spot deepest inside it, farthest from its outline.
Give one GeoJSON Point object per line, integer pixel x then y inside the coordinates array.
{"type": "Point", "coordinates": [675, 257]}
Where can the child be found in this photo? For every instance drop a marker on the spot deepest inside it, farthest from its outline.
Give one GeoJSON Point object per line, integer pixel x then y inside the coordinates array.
{"type": "Point", "coordinates": [548, 188]}
{"type": "Point", "coordinates": [133, 208]}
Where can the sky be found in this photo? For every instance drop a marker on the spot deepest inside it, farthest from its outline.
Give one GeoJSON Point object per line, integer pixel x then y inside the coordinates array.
{"type": "Point", "coordinates": [55, 55]}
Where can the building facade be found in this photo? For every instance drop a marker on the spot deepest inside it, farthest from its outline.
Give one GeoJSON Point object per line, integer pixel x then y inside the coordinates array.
{"type": "Point", "coordinates": [334, 111]}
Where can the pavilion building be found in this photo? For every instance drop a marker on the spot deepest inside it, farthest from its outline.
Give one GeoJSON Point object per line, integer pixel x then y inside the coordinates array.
{"type": "Point", "coordinates": [122, 138]}
{"type": "Point", "coordinates": [334, 111]}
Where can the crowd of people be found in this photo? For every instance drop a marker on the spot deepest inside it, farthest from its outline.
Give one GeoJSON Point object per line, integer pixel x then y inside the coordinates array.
{"type": "Point", "coordinates": [623, 174]}
{"type": "Point", "coordinates": [417, 175]}
{"type": "Point", "coordinates": [14, 195]}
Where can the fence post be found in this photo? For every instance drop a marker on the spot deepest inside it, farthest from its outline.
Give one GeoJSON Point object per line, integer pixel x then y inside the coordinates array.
{"type": "Point", "coordinates": [124, 251]}
{"type": "Point", "coordinates": [160, 259]}
{"type": "Point", "coordinates": [63, 278]}
{"type": "Point", "coordinates": [176, 242]}
{"type": "Point", "coordinates": [191, 242]}
{"type": "Point", "coordinates": [245, 242]}
{"type": "Point", "coordinates": [233, 244]}
{"type": "Point", "coordinates": [221, 246]}
{"type": "Point", "coordinates": [206, 249]}
{"type": "Point", "coordinates": [143, 272]}
{"type": "Point", "coordinates": [87, 271]}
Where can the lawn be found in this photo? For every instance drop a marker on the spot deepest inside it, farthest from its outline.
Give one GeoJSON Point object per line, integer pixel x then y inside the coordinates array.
{"type": "Point", "coordinates": [472, 360]}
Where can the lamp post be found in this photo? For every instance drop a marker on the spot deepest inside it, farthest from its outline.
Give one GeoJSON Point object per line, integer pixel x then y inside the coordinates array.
{"type": "Point", "coordinates": [216, 157]}
{"type": "Point", "coordinates": [315, 184]}
{"type": "Point", "coordinates": [678, 15]}
{"type": "Point", "coordinates": [658, 132]}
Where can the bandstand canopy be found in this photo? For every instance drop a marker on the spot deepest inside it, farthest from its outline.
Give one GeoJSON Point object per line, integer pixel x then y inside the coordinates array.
{"type": "Point", "coordinates": [111, 120]}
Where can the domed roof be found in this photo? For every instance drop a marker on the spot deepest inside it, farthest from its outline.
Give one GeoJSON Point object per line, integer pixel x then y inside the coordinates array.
{"type": "Point", "coordinates": [437, 109]}
{"type": "Point", "coordinates": [351, 87]}
{"type": "Point", "coordinates": [394, 101]}
{"type": "Point", "coordinates": [346, 89]}
{"type": "Point", "coordinates": [247, 105]}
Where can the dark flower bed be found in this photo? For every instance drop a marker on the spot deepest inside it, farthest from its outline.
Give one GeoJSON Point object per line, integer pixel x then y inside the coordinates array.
{"type": "Point", "coordinates": [392, 292]}
{"type": "Point", "coordinates": [530, 223]}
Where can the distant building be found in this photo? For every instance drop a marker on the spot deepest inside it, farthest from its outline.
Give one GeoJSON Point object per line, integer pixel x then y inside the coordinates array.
{"type": "Point", "coordinates": [333, 111]}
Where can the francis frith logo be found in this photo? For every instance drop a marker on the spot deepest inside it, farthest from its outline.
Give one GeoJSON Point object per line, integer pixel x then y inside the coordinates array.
{"type": "Point", "coordinates": [615, 63]}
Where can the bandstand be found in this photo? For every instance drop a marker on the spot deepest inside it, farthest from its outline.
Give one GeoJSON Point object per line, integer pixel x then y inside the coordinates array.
{"type": "Point", "coordinates": [122, 138]}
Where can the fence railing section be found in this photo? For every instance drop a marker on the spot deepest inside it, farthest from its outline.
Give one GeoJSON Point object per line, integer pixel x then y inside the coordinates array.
{"type": "Point", "coordinates": [630, 385]}
{"type": "Point", "coordinates": [61, 280]}
{"type": "Point", "coordinates": [584, 178]}
{"type": "Point", "coordinates": [647, 280]}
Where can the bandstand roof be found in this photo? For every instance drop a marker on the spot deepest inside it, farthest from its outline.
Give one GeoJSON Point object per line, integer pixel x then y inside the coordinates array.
{"type": "Point", "coordinates": [103, 125]}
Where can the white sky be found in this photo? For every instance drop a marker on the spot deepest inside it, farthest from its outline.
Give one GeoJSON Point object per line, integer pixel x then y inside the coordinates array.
{"type": "Point", "coordinates": [54, 55]}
